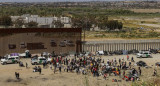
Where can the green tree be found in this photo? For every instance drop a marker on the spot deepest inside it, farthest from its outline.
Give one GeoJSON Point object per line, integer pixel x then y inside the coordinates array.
{"type": "Point", "coordinates": [58, 24]}
{"type": "Point", "coordinates": [77, 22]}
{"type": "Point", "coordinates": [102, 21]}
{"type": "Point", "coordinates": [120, 25]}
{"type": "Point", "coordinates": [19, 23]}
{"type": "Point", "coordinates": [82, 22]}
{"type": "Point", "coordinates": [114, 24]}
{"type": "Point", "coordinates": [5, 21]}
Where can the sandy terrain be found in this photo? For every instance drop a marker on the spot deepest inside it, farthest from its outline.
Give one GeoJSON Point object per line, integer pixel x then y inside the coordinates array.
{"type": "Point", "coordinates": [151, 25]}
{"type": "Point", "coordinates": [146, 10]}
{"type": "Point", "coordinates": [48, 78]}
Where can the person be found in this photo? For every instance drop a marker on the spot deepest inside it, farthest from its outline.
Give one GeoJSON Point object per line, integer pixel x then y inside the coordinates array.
{"type": "Point", "coordinates": [120, 66]}
{"type": "Point", "coordinates": [39, 69]}
{"type": "Point", "coordinates": [67, 68]}
{"type": "Point", "coordinates": [51, 66]}
{"type": "Point", "coordinates": [77, 70]}
{"type": "Point", "coordinates": [139, 71]}
{"type": "Point", "coordinates": [119, 61]}
{"type": "Point", "coordinates": [21, 64]}
{"type": "Point", "coordinates": [17, 75]}
{"type": "Point", "coordinates": [127, 57]}
{"type": "Point", "coordinates": [60, 68]}
{"type": "Point", "coordinates": [122, 59]}
{"type": "Point", "coordinates": [103, 61]}
{"type": "Point", "coordinates": [124, 73]}
{"type": "Point", "coordinates": [154, 72]}
{"type": "Point", "coordinates": [55, 68]}
{"type": "Point", "coordinates": [43, 64]}
{"type": "Point", "coordinates": [119, 72]}
{"type": "Point", "coordinates": [105, 76]}
{"type": "Point", "coordinates": [35, 69]}
{"type": "Point", "coordinates": [108, 61]}
{"type": "Point", "coordinates": [26, 65]}
{"type": "Point", "coordinates": [132, 59]}
{"type": "Point", "coordinates": [130, 65]}
{"type": "Point", "coordinates": [64, 68]}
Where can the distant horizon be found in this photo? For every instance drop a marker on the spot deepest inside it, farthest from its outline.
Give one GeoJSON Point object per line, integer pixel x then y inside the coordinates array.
{"type": "Point", "coordinates": [66, 0]}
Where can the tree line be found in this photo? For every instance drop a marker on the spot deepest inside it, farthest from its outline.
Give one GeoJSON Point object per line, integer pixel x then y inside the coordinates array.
{"type": "Point", "coordinates": [84, 21]}
{"type": "Point", "coordinates": [6, 21]}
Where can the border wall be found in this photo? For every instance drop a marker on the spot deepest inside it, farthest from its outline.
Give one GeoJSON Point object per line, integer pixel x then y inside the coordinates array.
{"type": "Point", "coordinates": [113, 45]}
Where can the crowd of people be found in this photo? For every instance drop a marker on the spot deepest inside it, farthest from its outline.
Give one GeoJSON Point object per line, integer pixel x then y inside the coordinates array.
{"type": "Point", "coordinates": [95, 66]}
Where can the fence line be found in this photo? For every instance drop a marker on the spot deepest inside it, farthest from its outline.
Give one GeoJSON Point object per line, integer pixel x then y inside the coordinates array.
{"type": "Point", "coordinates": [120, 45]}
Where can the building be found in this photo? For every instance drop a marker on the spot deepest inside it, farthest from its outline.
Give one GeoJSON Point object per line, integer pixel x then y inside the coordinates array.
{"type": "Point", "coordinates": [38, 40]}
{"type": "Point", "coordinates": [44, 22]}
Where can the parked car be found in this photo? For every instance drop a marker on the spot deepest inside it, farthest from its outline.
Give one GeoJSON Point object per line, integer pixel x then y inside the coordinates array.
{"type": "Point", "coordinates": [70, 43]}
{"type": "Point", "coordinates": [106, 53]}
{"type": "Point", "coordinates": [87, 54]}
{"type": "Point", "coordinates": [62, 44]}
{"type": "Point", "coordinates": [80, 54]}
{"type": "Point", "coordinates": [45, 54]}
{"type": "Point", "coordinates": [154, 51]}
{"type": "Point", "coordinates": [134, 51]}
{"type": "Point", "coordinates": [22, 54]}
{"type": "Point", "coordinates": [118, 52]}
{"type": "Point", "coordinates": [9, 60]}
{"type": "Point", "coordinates": [53, 43]}
{"type": "Point", "coordinates": [143, 54]}
{"type": "Point", "coordinates": [65, 41]}
{"type": "Point", "coordinates": [100, 52]}
{"type": "Point", "coordinates": [39, 60]}
{"type": "Point", "coordinates": [158, 50]}
{"type": "Point", "coordinates": [141, 63]}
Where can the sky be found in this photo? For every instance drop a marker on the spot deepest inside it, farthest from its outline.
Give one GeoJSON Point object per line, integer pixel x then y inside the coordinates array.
{"type": "Point", "coordinates": [64, 0]}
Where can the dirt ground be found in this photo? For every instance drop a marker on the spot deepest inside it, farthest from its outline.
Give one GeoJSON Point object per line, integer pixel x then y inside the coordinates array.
{"type": "Point", "coordinates": [146, 10]}
{"type": "Point", "coordinates": [48, 78]}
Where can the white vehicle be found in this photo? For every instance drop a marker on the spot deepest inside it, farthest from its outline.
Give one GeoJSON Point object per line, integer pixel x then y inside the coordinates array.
{"type": "Point", "coordinates": [100, 52]}
{"type": "Point", "coordinates": [87, 54]}
{"type": "Point", "coordinates": [143, 54]}
{"type": "Point", "coordinates": [45, 54]}
{"type": "Point", "coordinates": [9, 60]}
{"type": "Point", "coordinates": [36, 61]}
{"type": "Point", "coordinates": [80, 55]}
{"type": "Point", "coordinates": [72, 53]}
{"type": "Point", "coordinates": [22, 54]}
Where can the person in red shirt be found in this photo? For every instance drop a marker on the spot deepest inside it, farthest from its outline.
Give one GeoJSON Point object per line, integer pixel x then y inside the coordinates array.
{"type": "Point", "coordinates": [127, 57]}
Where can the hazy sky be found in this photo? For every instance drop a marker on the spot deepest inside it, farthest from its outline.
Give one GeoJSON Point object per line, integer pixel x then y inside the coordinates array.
{"type": "Point", "coordinates": [64, 0]}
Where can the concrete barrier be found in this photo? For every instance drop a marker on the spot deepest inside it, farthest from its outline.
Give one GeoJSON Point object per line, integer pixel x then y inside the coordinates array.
{"type": "Point", "coordinates": [112, 45]}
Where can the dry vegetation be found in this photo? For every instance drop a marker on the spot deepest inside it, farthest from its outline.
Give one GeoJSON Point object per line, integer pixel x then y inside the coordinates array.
{"type": "Point", "coordinates": [133, 27]}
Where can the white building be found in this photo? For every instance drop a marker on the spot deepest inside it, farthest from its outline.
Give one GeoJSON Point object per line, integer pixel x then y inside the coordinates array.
{"type": "Point", "coordinates": [43, 21]}
{"type": "Point", "coordinates": [65, 20]}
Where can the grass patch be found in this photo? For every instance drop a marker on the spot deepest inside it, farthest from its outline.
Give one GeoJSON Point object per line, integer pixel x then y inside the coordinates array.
{"type": "Point", "coordinates": [128, 33]}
